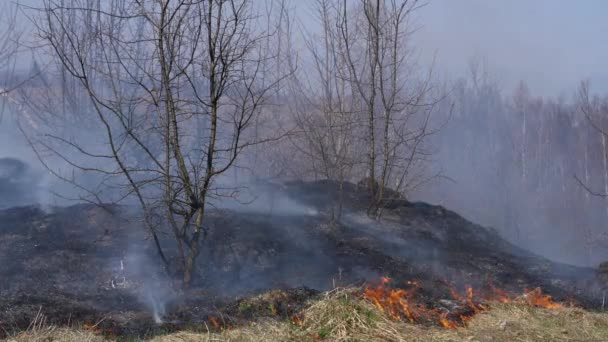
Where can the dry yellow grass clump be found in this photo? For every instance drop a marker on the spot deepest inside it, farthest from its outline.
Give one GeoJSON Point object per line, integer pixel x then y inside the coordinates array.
{"type": "Point", "coordinates": [344, 316]}
{"type": "Point", "coordinates": [51, 333]}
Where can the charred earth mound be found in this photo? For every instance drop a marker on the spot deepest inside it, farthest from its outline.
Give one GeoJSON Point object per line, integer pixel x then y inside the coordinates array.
{"type": "Point", "coordinates": [90, 264]}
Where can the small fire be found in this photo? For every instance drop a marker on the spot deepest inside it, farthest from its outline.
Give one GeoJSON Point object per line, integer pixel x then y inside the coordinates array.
{"type": "Point", "coordinates": [469, 307]}
{"type": "Point", "coordinates": [537, 298]}
{"type": "Point", "coordinates": [399, 303]}
{"type": "Point", "coordinates": [92, 327]}
{"type": "Point", "coordinates": [215, 323]}
{"type": "Point", "coordinates": [497, 295]}
{"type": "Point", "coordinates": [394, 302]}
{"type": "Point", "coordinates": [297, 320]}
{"type": "Point", "coordinates": [446, 322]}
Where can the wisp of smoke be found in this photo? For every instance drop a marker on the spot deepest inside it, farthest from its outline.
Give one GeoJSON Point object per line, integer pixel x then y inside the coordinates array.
{"type": "Point", "coordinates": [139, 275]}
{"type": "Point", "coordinates": [260, 198]}
{"type": "Point", "coordinates": [18, 183]}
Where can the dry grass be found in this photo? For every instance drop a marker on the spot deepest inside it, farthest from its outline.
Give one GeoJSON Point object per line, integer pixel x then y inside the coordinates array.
{"type": "Point", "coordinates": [344, 316]}
{"type": "Point", "coordinates": [40, 331]}
{"type": "Point", "coordinates": [56, 334]}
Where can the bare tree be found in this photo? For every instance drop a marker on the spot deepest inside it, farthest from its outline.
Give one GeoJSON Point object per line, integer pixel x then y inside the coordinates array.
{"type": "Point", "coordinates": [10, 37]}
{"type": "Point", "coordinates": [397, 103]}
{"type": "Point", "coordinates": [595, 111]}
{"type": "Point", "coordinates": [172, 88]}
{"type": "Point", "coordinates": [323, 105]}
{"type": "Point", "coordinates": [362, 91]}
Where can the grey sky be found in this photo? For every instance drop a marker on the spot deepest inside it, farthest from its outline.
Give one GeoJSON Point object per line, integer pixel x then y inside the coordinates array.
{"type": "Point", "coordinates": [552, 44]}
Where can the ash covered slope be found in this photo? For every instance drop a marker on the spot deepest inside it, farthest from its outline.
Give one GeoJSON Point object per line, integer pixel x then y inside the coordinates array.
{"type": "Point", "coordinates": [83, 262]}
{"type": "Point", "coordinates": [438, 243]}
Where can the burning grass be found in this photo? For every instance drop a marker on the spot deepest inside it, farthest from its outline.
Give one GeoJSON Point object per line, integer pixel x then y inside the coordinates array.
{"type": "Point", "coordinates": [346, 315]}
{"type": "Point", "coordinates": [402, 303]}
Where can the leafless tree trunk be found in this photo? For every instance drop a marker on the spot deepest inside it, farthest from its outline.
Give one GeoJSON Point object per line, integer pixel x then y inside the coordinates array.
{"type": "Point", "coordinates": [323, 105]}
{"type": "Point", "coordinates": [10, 37]}
{"type": "Point", "coordinates": [153, 73]}
{"type": "Point", "coordinates": [593, 111]}
{"type": "Point", "coordinates": [396, 102]}
{"type": "Point", "coordinates": [362, 92]}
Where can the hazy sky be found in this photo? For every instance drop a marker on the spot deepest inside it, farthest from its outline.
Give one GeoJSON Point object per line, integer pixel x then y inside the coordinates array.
{"type": "Point", "coordinates": [552, 44]}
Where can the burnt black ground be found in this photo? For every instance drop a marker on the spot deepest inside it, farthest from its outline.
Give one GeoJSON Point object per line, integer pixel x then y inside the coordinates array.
{"type": "Point", "coordinates": [67, 263]}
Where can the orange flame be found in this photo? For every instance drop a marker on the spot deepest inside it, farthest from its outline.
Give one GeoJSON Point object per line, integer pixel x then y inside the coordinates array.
{"type": "Point", "coordinates": [91, 327]}
{"type": "Point", "coordinates": [498, 295]}
{"type": "Point", "coordinates": [297, 320]}
{"type": "Point", "coordinates": [400, 303]}
{"type": "Point", "coordinates": [215, 323]}
{"type": "Point", "coordinates": [446, 322]}
{"type": "Point", "coordinates": [537, 298]}
{"type": "Point", "coordinates": [394, 302]}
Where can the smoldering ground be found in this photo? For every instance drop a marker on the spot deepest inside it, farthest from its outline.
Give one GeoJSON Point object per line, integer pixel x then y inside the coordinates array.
{"type": "Point", "coordinates": [85, 262]}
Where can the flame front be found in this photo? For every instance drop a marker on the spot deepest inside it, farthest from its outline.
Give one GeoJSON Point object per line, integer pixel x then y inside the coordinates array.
{"type": "Point", "coordinates": [400, 303]}
{"type": "Point", "coordinates": [394, 302]}
{"type": "Point", "coordinates": [215, 323]}
{"type": "Point", "coordinates": [446, 322]}
{"type": "Point", "coordinates": [92, 327]}
{"type": "Point", "coordinates": [498, 295]}
{"type": "Point", "coordinates": [537, 298]}
{"type": "Point", "coordinates": [297, 320]}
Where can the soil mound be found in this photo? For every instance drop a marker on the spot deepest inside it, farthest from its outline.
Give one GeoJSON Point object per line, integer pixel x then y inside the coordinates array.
{"type": "Point", "coordinates": [86, 263]}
